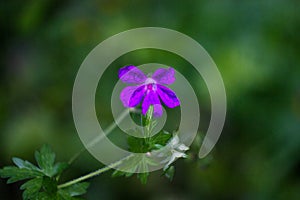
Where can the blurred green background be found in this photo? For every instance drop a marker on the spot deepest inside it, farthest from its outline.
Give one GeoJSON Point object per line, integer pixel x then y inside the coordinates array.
{"type": "Point", "coordinates": [255, 44]}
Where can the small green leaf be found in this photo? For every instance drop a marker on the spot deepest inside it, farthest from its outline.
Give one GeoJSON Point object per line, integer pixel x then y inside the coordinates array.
{"type": "Point", "coordinates": [136, 145]}
{"type": "Point", "coordinates": [117, 173]}
{"type": "Point", "coordinates": [142, 145]}
{"type": "Point", "coordinates": [169, 172]}
{"type": "Point", "coordinates": [31, 188]}
{"type": "Point", "coordinates": [143, 177]}
{"type": "Point", "coordinates": [16, 174]}
{"type": "Point", "coordinates": [45, 159]}
{"type": "Point", "coordinates": [24, 164]}
{"type": "Point", "coordinates": [143, 166]}
{"type": "Point", "coordinates": [161, 138]}
{"type": "Point", "coordinates": [76, 189]}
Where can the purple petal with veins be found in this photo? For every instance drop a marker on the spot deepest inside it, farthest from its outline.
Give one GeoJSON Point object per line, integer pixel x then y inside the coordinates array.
{"type": "Point", "coordinates": [164, 76]}
{"type": "Point", "coordinates": [167, 96]}
{"type": "Point", "coordinates": [132, 74]}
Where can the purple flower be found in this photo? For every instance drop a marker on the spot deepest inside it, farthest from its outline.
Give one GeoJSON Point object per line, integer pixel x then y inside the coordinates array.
{"type": "Point", "coordinates": [149, 90]}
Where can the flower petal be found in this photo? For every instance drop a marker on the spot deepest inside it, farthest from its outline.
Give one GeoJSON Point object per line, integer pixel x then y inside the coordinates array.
{"type": "Point", "coordinates": [152, 99]}
{"type": "Point", "coordinates": [126, 94]}
{"type": "Point", "coordinates": [132, 74]}
{"type": "Point", "coordinates": [137, 96]}
{"type": "Point", "coordinates": [164, 76]}
{"type": "Point", "coordinates": [157, 110]}
{"type": "Point", "coordinates": [167, 96]}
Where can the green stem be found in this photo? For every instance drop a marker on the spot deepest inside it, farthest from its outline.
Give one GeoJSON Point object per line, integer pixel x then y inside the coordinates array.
{"type": "Point", "coordinates": [92, 174]}
{"type": "Point", "coordinates": [82, 178]}
{"type": "Point", "coordinates": [149, 116]}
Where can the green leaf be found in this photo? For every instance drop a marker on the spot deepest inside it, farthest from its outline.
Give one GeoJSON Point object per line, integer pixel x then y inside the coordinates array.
{"type": "Point", "coordinates": [16, 174]}
{"type": "Point", "coordinates": [137, 145]}
{"type": "Point", "coordinates": [143, 177]}
{"type": "Point", "coordinates": [76, 189]}
{"type": "Point", "coordinates": [24, 164]}
{"type": "Point", "coordinates": [169, 172]}
{"type": "Point", "coordinates": [62, 195]}
{"type": "Point", "coordinates": [138, 163]}
{"type": "Point", "coordinates": [142, 145]}
{"type": "Point", "coordinates": [118, 173]}
{"type": "Point", "coordinates": [49, 185]}
{"type": "Point", "coordinates": [160, 139]}
{"type": "Point", "coordinates": [44, 196]}
{"type": "Point", "coordinates": [43, 183]}
{"type": "Point", "coordinates": [143, 167]}
{"type": "Point", "coordinates": [31, 188]}
{"type": "Point", "coordinates": [45, 159]}
{"type": "Point", "coordinates": [40, 188]}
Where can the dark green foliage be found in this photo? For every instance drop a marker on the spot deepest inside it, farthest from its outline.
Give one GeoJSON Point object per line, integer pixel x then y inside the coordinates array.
{"type": "Point", "coordinates": [143, 145]}
{"type": "Point", "coordinates": [17, 174]}
{"type": "Point", "coordinates": [43, 179]}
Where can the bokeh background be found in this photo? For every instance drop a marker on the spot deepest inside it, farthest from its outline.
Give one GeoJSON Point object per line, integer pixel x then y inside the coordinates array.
{"type": "Point", "coordinates": [254, 43]}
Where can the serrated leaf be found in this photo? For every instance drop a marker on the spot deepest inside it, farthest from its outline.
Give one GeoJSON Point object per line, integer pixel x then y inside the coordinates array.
{"type": "Point", "coordinates": [43, 183]}
{"type": "Point", "coordinates": [76, 189]}
{"type": "Point", "coordinates": [16, 174]}
{"type": "Point", "coordinates": [45, 159]}
{"type": "Point", "coordinates": [24, 164]}
{"type": "Point", "coordinates": [31, 188]}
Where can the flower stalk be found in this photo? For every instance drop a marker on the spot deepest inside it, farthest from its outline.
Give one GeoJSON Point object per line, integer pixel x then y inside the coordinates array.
{"type": "Point", "coordinates": [94, 173]}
